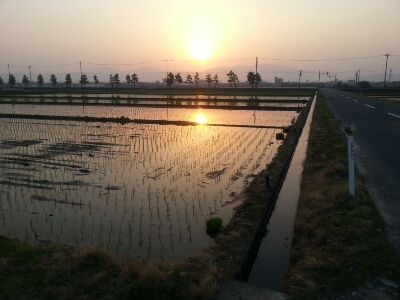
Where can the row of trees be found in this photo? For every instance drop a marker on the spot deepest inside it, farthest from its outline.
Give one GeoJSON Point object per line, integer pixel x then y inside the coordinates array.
{"type": "Point", "coordinates": [253, 78]}
{"type": "Point", "coordinates": [53, 79]}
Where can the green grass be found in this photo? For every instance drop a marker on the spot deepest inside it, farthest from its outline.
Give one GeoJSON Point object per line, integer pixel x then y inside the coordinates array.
{"type": "Point", "coordinates": [339, 240]}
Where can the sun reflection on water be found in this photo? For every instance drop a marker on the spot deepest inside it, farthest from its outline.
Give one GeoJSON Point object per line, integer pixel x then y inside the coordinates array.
{"type": "Point", "coordinates": [201, 119]}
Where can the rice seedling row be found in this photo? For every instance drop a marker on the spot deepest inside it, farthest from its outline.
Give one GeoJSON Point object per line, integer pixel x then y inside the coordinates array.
{"type": "Point", "coordinates": [136, 189]}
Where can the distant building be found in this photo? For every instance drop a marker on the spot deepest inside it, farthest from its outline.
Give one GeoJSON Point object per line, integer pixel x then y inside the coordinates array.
{"type": "Point", "coordinates": [278, 81]}
{"type": "Point", "coordinates": [351, 82]}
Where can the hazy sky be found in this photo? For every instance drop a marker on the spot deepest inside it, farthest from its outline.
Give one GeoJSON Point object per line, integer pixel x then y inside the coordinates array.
{"type": "Point", "coordinates": [146, 33]}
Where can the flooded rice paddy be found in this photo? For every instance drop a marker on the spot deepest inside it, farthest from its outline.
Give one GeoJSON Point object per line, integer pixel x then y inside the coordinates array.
{"type": "Point", "coordinates": [212, 116]}
{"type": "Point", "coordinates": [148, 100]}
{"type": "Point", "coordinates": [136, 189]}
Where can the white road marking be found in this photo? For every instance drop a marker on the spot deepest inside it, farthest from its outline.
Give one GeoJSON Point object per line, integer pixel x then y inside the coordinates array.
{"type": "Point", "coordinates": [394, 115]}
{"type": "Point", "coordinates": [355, 100]}
{"type": "Point", "coordinates": [369, 105]}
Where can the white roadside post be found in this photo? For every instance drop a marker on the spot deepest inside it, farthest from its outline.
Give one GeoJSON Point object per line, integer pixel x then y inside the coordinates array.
{"type": "Point", "coordinates": [350, 129]}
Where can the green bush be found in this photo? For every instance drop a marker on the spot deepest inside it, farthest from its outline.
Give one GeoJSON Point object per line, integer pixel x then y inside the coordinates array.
{"type": "Point", "coordinates": [286, 129]}
{"type": "Point", "coordinates": [280, 136]}
{"type": "Point", "coordinates": [214, 226]}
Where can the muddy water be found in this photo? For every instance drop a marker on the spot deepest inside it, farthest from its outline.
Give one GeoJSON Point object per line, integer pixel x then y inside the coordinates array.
{"type": "Point", "coordinates": [211, 116]}
{"type": "Point", "coordinates": [136, 189]}
{"type": "Point", "coordinates": [272, 260]}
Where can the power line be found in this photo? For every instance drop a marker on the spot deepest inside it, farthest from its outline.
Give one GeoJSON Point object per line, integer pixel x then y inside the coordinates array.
{"type": "Point", "coordinates": [140, 63]}
{"type": "Point", "coordinates": [63, 65]}
{"type": "Point", "coordinates": [334, 59]}
{"type": "Point", "coordinates": [209, 61]}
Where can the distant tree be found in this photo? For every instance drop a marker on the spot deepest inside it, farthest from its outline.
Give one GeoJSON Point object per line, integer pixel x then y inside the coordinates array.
{"type": "Point", "coordinates": [68, 80]}
{"type": "Point", "coordinates": [11, 80]}
{"type": "Point", "coordinates": [25, 80]}
{"type": "Point", "coordinates": [53, 79]}
{"type": "Point", "coordinates": [112, 81]}
{"type": "Point", "coordinates": [257, 79]}
{"type": "Point", "coordinates": [215, 80]}
{"type": "Point", "coordinates": [235, 80]}
{"type": "Point", "coordinates": [189, 79]}
{"type": "Point", "coordinates": [170, 79]}
{"type": "Point", "coordinates": [209, 79]}
{"type": "Point", "coordinates": [116, 79]}
{"type": "Point", "coordinates": [96, 80]}
{"type": "Point", "coordinates": [135, 79]}
{"type": "Point", "coordinates": [230, 77]}
{"type": "Point", "coordinates": [128, 79]}
{"type": "Point", "coordinates": [40, 79]}
{"type": "Point", "coordinates": [364, 84]}
{"type": "Point", "coordinates": [251, 78]}
{"type": "Point", "coordinates": [196, 78]}
{"type": "Point", "coordinates": [178, 78]}
{"type": "Point", "coordinates": [84, 80]}
{"type": "Point", "coordinates": [1, 81]}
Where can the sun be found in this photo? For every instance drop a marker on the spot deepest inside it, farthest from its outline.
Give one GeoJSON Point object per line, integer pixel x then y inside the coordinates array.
{"type": "Point", "coordinates": [200, 48]}
{"type": "Point", "coordinates": [201, 119]}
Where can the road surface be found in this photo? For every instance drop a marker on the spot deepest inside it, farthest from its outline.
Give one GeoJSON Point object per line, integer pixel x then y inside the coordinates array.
{"type": "Point", "coordinates": [376, 149]}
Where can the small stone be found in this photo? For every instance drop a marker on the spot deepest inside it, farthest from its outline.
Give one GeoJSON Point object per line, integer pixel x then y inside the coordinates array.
{"type": "Point", "coordinates": [389, 283]}
{"type": "Point", "coordinates": [355, 295]}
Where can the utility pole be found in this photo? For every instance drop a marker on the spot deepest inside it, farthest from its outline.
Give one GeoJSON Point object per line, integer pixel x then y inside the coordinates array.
{"type": "Point", "coordinates": [80, 66]}
{"type": "Point", "coordinates": [359, 71]}
{"type": "Point", "coordinates": [256, 64]}
{"type": "Point", "coordinates": [384, 80]}
{"type": "Point", "coordinates": [30, 77]}
{"type": "Point", "coordinates": [8, 70]}
{"type": "Point", "coordinates": [299, 78]}
{"type": "Point", "coordinates": [356, 76]}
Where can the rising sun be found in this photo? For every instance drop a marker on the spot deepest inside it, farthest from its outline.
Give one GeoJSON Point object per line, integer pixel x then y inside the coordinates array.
{"type": "Point", "coordinates": [200, 48]}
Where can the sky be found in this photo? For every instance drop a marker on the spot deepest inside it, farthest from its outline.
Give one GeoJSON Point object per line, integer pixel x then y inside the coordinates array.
{"type": "Point", "coordinates": [339, 36]}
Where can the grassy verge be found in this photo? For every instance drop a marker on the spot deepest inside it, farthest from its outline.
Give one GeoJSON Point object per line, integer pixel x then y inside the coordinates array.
{"type": "Point", "coordinates": [339, 240]}
{"type": "Point", "coordinates": [375, 92]}
{"type": "Point", "coordinates": [87, 272]}
{"type": "Point", "coordinates": [292, 92]}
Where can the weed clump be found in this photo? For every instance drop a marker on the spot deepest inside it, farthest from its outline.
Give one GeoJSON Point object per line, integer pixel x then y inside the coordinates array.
{"type": "Point", "coordinates": [280, 136]}
{"type": "Point", "coordinates": [214, 226]}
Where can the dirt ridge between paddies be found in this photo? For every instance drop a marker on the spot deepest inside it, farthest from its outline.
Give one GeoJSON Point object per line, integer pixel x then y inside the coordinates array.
{"type": "Point", "coordinates": [87, 272]}
{"type": "Point", "coordinates": [340, 248]}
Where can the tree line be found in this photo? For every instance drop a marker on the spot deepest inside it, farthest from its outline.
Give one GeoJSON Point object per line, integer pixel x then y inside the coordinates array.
{"type": "Point", "coordinates": [253, 78]}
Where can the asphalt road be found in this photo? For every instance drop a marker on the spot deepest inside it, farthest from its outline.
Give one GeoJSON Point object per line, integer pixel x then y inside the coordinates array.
{"type": "Point", "coordinates": [376, 149]}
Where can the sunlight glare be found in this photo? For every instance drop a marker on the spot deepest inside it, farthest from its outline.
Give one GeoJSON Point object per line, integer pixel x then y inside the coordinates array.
{"type": "Point", "coordinates": [201, 119]}
{"type": "Point", "coordinates": [200, 48]}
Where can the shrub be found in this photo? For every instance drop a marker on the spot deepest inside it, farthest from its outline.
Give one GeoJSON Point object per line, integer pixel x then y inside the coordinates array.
{"type": "Point", "coordinates": [214, 226]}
{"type": "Point", "coordinates": [280, 136]}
